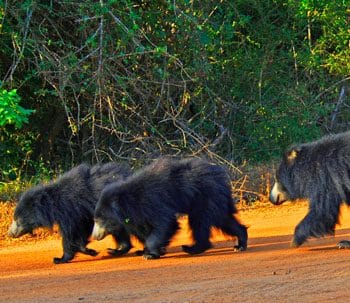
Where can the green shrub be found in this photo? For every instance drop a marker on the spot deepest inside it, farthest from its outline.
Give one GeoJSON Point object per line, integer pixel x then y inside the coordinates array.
{"type": "Point", "coordinates": [16, 146]}
{"type": "Point", "coordinates": [11, 113]}
{"type": "Point", "coordinates": [129, 80]}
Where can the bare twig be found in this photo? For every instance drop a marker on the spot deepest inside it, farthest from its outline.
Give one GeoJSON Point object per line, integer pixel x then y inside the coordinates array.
{"type": "Point", "coordinates": [341, 99]}
{"type": "Point", "coordinates": [16, 61]}
{"type": "Point", "coordinates": [331, 87]}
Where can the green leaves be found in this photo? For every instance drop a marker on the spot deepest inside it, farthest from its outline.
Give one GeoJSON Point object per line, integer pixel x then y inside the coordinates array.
{"type": "Point", "coordinates": [129, 79]}
{"type": "Point", "coordinates": [10, 110]}
{"type": "Point", "coordinates": [328, 34]}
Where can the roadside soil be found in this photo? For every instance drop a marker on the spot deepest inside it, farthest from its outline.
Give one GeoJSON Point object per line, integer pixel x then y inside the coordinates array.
{"type": "Point", "coordinates": [269, 271]}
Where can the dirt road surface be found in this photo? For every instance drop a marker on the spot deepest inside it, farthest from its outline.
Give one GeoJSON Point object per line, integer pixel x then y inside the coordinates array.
{"type": "Point", "coordinates": [269, 271]}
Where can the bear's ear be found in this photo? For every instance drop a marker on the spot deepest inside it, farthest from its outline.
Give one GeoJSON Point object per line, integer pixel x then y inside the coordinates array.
{"type": "Point", "coordinates": [292, 155]}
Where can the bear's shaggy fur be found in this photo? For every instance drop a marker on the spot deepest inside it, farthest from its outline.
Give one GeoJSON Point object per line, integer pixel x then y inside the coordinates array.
{"type": "Point", "coordinates": [320, 172]}
{"type": "Point", "coordinates": [70, 202]}
{"type": "Point", "coordinates": [148, 202]}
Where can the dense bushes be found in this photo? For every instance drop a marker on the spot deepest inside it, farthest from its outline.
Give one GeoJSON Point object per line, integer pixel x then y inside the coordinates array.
{"type": "Point", "coordinates": [237, 80]}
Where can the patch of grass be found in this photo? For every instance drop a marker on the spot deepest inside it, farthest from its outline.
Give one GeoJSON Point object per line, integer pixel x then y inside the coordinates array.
{"type": "Point", "coordinates": [6, 214]}
{"type": "Point", "coordinates": [11, 190]}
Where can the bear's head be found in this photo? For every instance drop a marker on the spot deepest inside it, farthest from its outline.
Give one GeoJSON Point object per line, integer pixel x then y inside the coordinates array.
{"type": "Point", "coordinates": [107, 212]}
{"type": "Point", "coordinates": [286, 186]}
{"type": "Point", "coordinates": [32, 211]}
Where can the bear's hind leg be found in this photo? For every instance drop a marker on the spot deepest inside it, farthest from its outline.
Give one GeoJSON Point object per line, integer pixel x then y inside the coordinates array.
{"type": "Point", "coordinates": [232, 227]}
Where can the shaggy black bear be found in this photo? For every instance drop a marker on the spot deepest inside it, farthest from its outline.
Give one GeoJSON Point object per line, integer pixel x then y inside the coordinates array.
{"type": "Point", "coordinates": [320, 172]}
{"type": "Point", "coordinates": [148, 202]}
{"type": "Point", "coordinates": [70, 202]}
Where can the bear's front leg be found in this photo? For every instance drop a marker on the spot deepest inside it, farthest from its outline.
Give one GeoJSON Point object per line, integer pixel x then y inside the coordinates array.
{"type": "Point", "coordinates": [159, 238]}
{"type": "Point", "coordinates": [200, 232]}
{"type": "Point", "coordinates": [317, 223]}
{"type": "Point", "coordinates": [299, 238]}
{"type": "Point", "coordinates": [343, 244]}
{"type": "Point", "coordinates": [120, 250]}
{"type": "Point", "coordinates": [154, 244]}
{"type": "Point", "coordinates": [162, 252]}
{"type": "Point", "coordinates": [302, 230]}
{"type": "Point", "coordinates": [64, 259]}
{"type": "Point", "coordinates": [122, 238]}
{"type": "Point", "coordinates": [69, 251]}
{"type": "Point", "coordinates": [88, 251]}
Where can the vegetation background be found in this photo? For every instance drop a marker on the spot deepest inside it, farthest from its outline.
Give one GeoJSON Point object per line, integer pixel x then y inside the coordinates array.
{"type": "Point", "coordinates": [124, 80]}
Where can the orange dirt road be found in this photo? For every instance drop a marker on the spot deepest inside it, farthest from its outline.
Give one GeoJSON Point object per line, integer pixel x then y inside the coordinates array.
{"type": "Point", "coordinates": [269, 271]}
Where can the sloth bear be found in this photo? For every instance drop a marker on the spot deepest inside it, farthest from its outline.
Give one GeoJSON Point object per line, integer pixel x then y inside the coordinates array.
{"type": "Point", "coordinates": [148, 202]}
{"type": "Point", "coordinates": [70, 202]}
{"type": "Point", "coordinates": [320, 172]}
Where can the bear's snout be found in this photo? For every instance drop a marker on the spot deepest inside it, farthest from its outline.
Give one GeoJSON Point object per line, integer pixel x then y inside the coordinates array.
{"type": "Point", "coordinates": [98, 232]}
{"type": "Point", "coordinates": [15, 230]}
{"type": "Point", "coordinates": [277, 195]}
